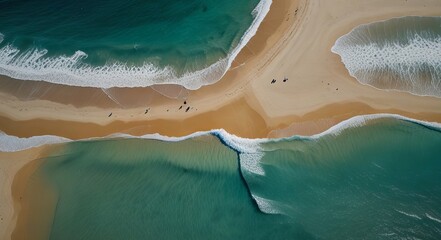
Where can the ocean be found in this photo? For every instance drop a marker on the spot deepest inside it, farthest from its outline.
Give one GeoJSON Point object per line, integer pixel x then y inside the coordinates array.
{"type": "Point", "coordinates": [367, 178]}
{"type": "Point", "coordinates": [132, 43]}
{"type": "Point", "coordinates": [397, 54]}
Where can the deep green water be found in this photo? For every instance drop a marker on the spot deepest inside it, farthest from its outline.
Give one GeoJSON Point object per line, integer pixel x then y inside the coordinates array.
{"type": "Point", "coordinates": [377, 181]}
{"type": "Point", "coordinates": [141, 41]}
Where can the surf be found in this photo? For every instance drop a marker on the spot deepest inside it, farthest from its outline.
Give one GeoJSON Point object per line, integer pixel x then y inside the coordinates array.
{"type": "Point", "coordinates": [401, 54]}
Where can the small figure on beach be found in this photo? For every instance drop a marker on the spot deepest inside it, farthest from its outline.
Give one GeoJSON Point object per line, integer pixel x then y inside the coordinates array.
{"type": "Point", "coordinates": [180, 107]}
{"type": "Point", "coordinates": [285, 79]}
{"type": "Point", "coordinates": [110, 115]}
{"type": "Point", "coordinates": [188, 108]}
{"type": "Point", "coordinates": [185, 102]}
{"type": "Point", "coordinates": [147, 110]}
{"type": "Point", "coordinates": [273, 81]}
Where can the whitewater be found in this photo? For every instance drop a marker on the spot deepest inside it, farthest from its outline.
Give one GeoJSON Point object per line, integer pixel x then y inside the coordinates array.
{"type": "Point", "coordinates": [35, 64]}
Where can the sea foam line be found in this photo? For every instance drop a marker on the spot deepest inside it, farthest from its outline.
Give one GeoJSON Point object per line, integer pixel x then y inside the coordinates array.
{"type": "Point", "coordinates": [239, 144]}
{"type": "Point", "coordinates": [70, 70]}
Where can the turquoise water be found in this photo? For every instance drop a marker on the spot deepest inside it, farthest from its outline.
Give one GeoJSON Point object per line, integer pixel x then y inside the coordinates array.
{"type": "Point", "coordinates": [378, 181]}
{"type": "Point", "coordinates": [397, 54]}
{"type": "Point", "coordinates": [134, 42]}
{"type": "Point", "coordinates": [147, 189]}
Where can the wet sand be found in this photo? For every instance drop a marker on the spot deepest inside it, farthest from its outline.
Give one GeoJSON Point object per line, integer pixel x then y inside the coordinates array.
{"type": "Point", "coordinates": [13, 184]}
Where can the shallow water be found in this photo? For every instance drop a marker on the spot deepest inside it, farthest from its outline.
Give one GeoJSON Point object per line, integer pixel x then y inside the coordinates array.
{"type": "Point", "coordinates": [376, 181]}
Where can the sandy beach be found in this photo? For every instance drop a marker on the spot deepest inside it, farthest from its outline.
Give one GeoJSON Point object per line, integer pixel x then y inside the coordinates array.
{"type": "Point", "coordinates": [294, 42]}
{"type": "Point", "coordinates": [10, 164]}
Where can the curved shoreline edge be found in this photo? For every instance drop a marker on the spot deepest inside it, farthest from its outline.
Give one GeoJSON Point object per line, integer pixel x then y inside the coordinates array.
{"type": "Point", "coordinates": [10, 143]}
{"type": "Point", "coordinates": [120, 75]}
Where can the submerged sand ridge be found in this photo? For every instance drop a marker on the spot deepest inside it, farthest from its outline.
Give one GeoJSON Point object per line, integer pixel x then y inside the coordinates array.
{"type": "Point", "coordinates": [294, 41]}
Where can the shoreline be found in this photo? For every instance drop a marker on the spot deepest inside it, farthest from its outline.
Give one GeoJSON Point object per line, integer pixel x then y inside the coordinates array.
{"type": "Point", "coordinates": [252, 124]}
{"type": "Point", "coordinates": [232, 140]}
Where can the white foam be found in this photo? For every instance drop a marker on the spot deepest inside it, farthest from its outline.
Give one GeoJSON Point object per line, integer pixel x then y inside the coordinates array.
{"type": "Point", "coordinates": [239, 144]}
{"type": "Point", "coordinates": [433, 218]}
{"type": "Point", "coordinates": [10, 143]}
{"type": "Point", "coordinates": [362, 120]}
{"type": "Point", "coordinates": [266, 205]}
{"type": "Point", "coordinates": [71, 70]}
{"type": "Point", "coordinates": [409, 214]}
{"type": "Point", "coordinates": [414, 67]}
{"type": "Point", "coordinates": [242, 145]}
{"type": "Point", "coordinates": [251, 162]}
